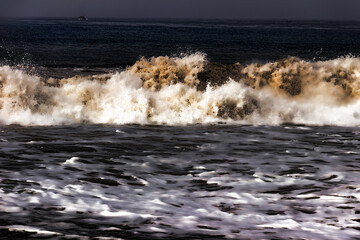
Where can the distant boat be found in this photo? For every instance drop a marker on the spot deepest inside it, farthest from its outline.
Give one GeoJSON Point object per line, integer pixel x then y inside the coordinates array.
{"type": "Point", "coordinates": [82, 18]}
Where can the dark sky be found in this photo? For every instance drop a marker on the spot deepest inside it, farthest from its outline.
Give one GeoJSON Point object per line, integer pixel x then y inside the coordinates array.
{"type": "Point", "coordinates": [235, 9]}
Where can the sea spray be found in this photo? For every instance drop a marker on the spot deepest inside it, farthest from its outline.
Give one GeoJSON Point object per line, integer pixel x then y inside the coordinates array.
{"type": "Point", "coordinates": [189, 90]}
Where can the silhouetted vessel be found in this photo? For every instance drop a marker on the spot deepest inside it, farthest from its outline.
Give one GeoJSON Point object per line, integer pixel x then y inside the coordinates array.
{"type": "Point", "coordinates": [82, 18]}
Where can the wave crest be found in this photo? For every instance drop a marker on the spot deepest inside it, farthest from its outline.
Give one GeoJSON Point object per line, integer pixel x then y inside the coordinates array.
{"type": "Point", "coordinates": [189, 90]}
{"type": "Point", "coordinates": [163, 71]}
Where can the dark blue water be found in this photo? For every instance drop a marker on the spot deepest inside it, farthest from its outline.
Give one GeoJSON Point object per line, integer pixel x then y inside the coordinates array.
{"type": "Point", "coordinates": [120, 42]}
{"type": "Point", "coordinates": [200, 181]}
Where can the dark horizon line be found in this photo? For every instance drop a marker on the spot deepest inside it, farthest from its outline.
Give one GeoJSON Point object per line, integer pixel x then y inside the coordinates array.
{"type": "Point", "coordinates": [183, 18]}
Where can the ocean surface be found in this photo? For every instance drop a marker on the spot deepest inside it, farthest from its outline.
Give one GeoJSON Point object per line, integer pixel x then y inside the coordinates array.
{"type": "Point", "coordinates": [179, 129]}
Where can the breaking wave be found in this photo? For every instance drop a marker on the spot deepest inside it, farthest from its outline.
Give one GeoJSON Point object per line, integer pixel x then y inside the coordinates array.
{"type": "Point", "coordinates": [189, 90]}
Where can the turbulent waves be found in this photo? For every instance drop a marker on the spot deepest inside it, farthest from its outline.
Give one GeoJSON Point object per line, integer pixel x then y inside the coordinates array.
{"type": "Point", "coordinates": [189, 90]}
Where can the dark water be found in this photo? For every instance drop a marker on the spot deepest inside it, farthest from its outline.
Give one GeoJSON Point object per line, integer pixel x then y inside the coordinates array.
{"type": "Point", "coordinates": [175, 182]}
{"type": "Point", "coordinates": [195, 182]}
{"type": "Point", "coordinates": [113, 43]}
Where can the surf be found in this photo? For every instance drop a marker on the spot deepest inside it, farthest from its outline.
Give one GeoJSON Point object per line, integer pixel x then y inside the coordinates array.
{"type": "Point", "coordinates": [189, 89]}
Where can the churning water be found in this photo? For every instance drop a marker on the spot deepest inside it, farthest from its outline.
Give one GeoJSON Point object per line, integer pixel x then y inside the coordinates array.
{"type": "Point", "coordinates": [223, 130]}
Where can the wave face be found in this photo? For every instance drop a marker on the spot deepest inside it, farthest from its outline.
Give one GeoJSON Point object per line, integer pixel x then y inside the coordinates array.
{"type": "Point", "coordinates": [189, 90]}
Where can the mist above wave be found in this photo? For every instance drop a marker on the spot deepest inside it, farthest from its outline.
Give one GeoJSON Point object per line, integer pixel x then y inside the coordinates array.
{"type": "Point", "coordinates": [189, 90]}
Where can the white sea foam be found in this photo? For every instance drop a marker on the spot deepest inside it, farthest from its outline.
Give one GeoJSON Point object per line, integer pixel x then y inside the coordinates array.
{"type": "Point", "coordinates": [71, 161]}
{"type": "Point", "coordinates": [126, 98]}
{"type": "Point", "coordinates": [21, 228]}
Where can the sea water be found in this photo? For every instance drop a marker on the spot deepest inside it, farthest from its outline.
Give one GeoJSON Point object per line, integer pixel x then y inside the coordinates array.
{"type": "Point", "coordinates": [173, 129]}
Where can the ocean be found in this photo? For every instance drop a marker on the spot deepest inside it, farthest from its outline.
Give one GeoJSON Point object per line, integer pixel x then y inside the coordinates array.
{"type": "Point", "coordinates": [179, 129]}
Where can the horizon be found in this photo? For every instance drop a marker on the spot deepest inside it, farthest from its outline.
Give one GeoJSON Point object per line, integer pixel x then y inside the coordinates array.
{"type": "Point", "coordinates": [329, 10]}
{"type": "Point", "coordinates": [179, 18]}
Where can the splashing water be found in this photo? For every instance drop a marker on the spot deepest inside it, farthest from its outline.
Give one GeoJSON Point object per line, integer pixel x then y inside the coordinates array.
{"type": "Point", "coordinates": [189, 90]}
